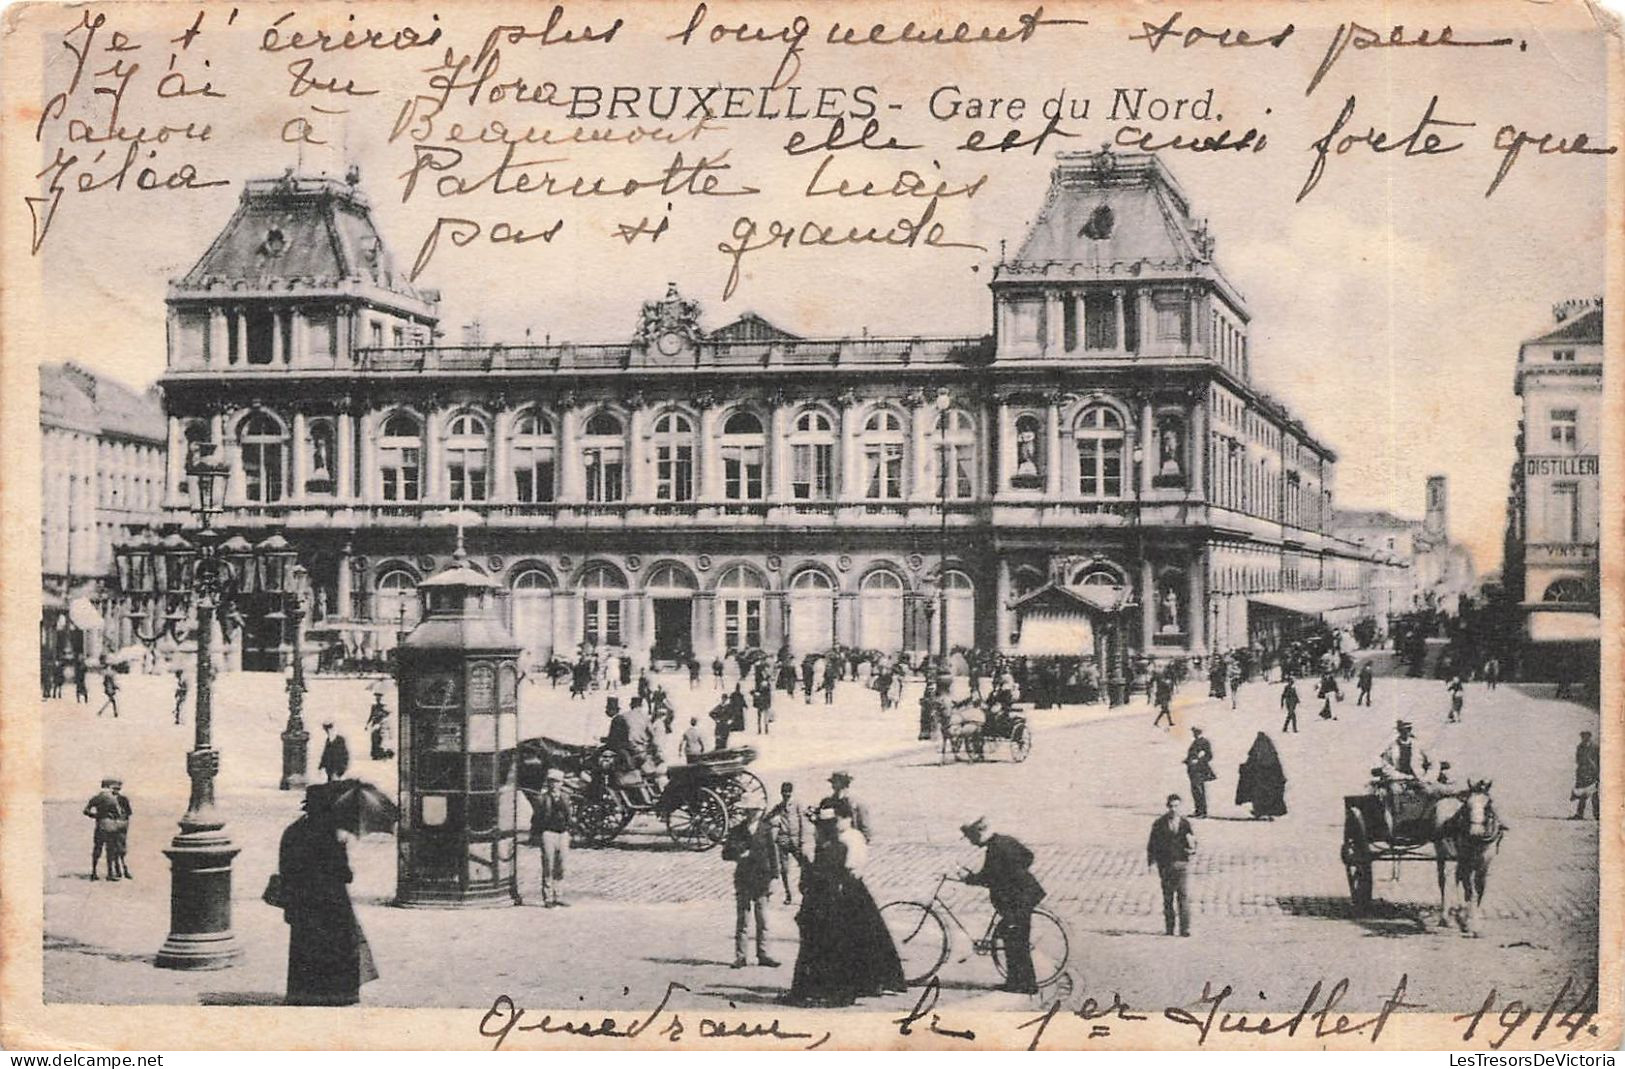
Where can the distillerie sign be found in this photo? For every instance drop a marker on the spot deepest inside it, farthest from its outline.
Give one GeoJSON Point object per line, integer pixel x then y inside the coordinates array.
{"type": "Point", "coordinates": [1582, 464]}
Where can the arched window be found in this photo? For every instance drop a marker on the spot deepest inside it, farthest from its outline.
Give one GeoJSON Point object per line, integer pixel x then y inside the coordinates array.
{"type": "Point", "coordinates": [603, 455]}
{"type": "Point", "coordinates": [400, 458]}
{"type": "Point", "coordinates": [812, 612]}
{"type": "Point", "coordinates": [263, 458]}
{"type": "Point", "coordinates": [954, 438]}
{"type": "Point", "coordinates": [535, 457]}
{"type": "Point", "coordinates": [395, 604]}
{"type": "Point", "coordinates": [1100, 452]}
{"type": "Point", "coordinates": [670, 578]}
{"type": "Point", "coordinates": [602, 587]}
{"type": "Point", "coordinates": [533, 614]}
{"type": "Point", "coordinates": [674, 457]}
{"type": "Point", "coordinates": [1567, 592]}
{"type": "Point", "coordinates": [883, 456]}
{"type": "Point", "coordinates": [880, 608]}
{"type": "Point", "coordinates": [468, 445]}
{"type": "Point", "coordinates": [740, 591]}
{"type": "Point", "coordinates": [743, 449]}
{"type": "Point", "coordinates": [812, 457]}
{"type": "Point", "coordinates": [1096, 576]}
{"type": "Point", "coordinates": [959, 601]}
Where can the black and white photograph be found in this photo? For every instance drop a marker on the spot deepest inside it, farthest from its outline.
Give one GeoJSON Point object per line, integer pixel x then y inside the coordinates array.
{"type": "Point", "coordinates": [711, 526]}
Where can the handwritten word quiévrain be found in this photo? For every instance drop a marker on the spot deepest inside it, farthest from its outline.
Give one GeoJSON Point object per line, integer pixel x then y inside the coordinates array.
{"type": "Point", "coordinates": [493, 129]}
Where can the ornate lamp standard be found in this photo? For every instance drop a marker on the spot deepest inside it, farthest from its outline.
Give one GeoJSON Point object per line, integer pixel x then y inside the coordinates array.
{"type": "Point", "coordinates": [205, 573]}
{"type": "Point", "coordinates": [943, 403]}
{"type": "Point", "coordinates": [295, 739]}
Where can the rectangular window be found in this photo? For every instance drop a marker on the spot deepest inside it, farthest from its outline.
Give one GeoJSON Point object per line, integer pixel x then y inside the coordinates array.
{"type": "Point", "coordinates": [398, 336]}
{"type": "Point", "coordinates": [605, 474]}
{"type": "Point", "coordinates": [1565, 426]}
{"type": "Point", "coordinates": [1563, 513]}
{"type": "Point", "coordinates": [466, 479]}
{"type": "Point", "coordinates": [674, 473]}
{"type": "Point", "coordinates": [1069, 323]}
{"type": "Point", "coordinates": [533, 476]}
{"type": "Point", "coordinates": [812, 475]}
{"type": "Point", "coordinates": [1563, 356]}
{"type": "Point", "coordinates": [1100, 321]}
{"type": "Point", "coordinates": [375, 333]}
{"type": "Point", "coordinates": [1173, 321]}
{"type": "Point", "coordinates": [400, 475]}
{"type": "Point", "coordinates": [742, 473]}
{"type": "Point", "coordinates": [884, 468]}
{"type": "Point", "coordinates": [603, 624]}
{"type": "Point", "coordinates": [741, 623]}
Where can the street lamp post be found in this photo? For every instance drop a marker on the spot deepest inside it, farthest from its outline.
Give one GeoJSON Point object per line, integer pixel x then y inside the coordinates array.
{"type": "Point", "coordinates": [207, 572]}
{"type": "Point", "coordinates": [295, 739]}
{"type": "Point", "coordinates": [944, 402]}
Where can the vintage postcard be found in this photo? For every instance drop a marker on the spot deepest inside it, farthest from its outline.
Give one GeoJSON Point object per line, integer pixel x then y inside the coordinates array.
{"type": "Point", "coordinates": [768, 525]}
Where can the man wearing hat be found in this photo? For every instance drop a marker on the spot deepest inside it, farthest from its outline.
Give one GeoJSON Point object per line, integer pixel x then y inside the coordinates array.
{"type": "Point", "coordinates": [111, 812]}
{"type": "Point", "coordinates": [755, 855]}
{"type": "Point", "coordinates": [1199, 767]}
{"type": "Point", "coordinates": [1587, 774]}
{"type": "Point", "coordinates": [1403, 765]}
{"type": "Point", "coordinates": [335, 754]}
{"type": "Point", "coordinates": [1015, 893]}
{"type": "Point", "coordinates": [550, 819]}
{"type": "Point", "coordinates": [842, 803]}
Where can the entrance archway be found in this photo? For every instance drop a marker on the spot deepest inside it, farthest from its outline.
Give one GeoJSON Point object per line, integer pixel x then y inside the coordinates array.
{"type": "Point", "coordinates": [812, 612]}
{"type": "Point", "coordinates": [533, 615]}
{"type": "Point", "coordinates": [881, 608]}
{"type": "Point", "coordinates": [670, 589]}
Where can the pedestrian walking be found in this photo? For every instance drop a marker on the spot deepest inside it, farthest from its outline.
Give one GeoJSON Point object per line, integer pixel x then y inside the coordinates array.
{"type": "Point", "coordinates": [1587, 777]}
{"type": "Point", "coordinates": [1169, 849]}
{"type": "Point", "coordinates": [550, 817]}
{"type": "Point", "coordinates": [692, 744]}
{"type": "Point", "coordinates": [59, 677]}
{"type": "Point", "coordinates": [809, 677]}
{"type": "Point", "coordinates": [111, 812]}
{"type": "Point", "coordinates": [109, 691]}
{"type": "Point", "coordinates": [931, 707]}
{"type": "Point", "coordinates": [763, 700]}
{"type": "Point", "coordinates": [646, 688]}
{"type": "Point", "coordinates": [693, 674]}
{"type": "Point", "coordinates": [328, 955]}
{"type": "Point", "coordinates": [1457, 696]}
{"type": "Point", "coordinates": [1363, 686]}
{"type": "Point", "coordinates": [788, 834]}
{"type": "Point", "coordinates": [1199, 767]}
{"type": "Point", "coordinates": [180, 693]}
{"type": "Point", "coordinates": [378, 729]}
{"type": "Point", "coordinates": [580, 679]}
{"type": "Point", "coordinates": [81, 682]}
{"type": "Point", "coordinates": [1289, 702]}
{"type": "Point", "coordinates": [716, 672]}
{"type": "Point", "coordinates": [750, 846]}
{"type": "Point", "coordinates": [840, 799]}
{"type": "Point", "coordinates": [1165, 698]}
{"type": "Point", "coordinates": [335, 754]}
{"type": "Point", "coordinates": [1492, 672]}
{"type": "Point", "coordinates": [1234, 677]}
{"type": "Point", "coordinates": [1015, 892]}
{"type": "Point", "coordinates": [832, 672]}
{"type": "Point", "coordinates": [1260, 782]}
{"type": "Point", "coordinates": [1328, 687]}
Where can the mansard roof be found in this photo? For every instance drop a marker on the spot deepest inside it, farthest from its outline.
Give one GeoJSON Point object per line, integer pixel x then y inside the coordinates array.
{"type": "Point", "coordinates": [751, 327]}
{"type": "Point", "coordinates": [1584, 329]}
{"type": "Point", "coordinates": [1116, 215]}
{"type": "Point", "coordinates": [76, 399]}
{"type": "Point", "coordinates": [299, 232]}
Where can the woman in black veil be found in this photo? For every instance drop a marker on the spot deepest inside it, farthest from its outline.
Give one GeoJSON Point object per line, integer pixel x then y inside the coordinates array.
{"type": "Point", "coordinates": [846, 952]}
{"type": "Point", "coordinates": [1262, 781]}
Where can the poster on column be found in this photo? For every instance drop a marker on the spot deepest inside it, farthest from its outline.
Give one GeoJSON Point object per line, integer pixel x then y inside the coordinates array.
{"type": "Point", "coordinates": [1066, 525]}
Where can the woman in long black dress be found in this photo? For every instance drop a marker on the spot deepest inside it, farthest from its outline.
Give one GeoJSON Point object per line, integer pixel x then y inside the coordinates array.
{"type": "Point", "coordinates": [1262, 782]}
{"type": "Point", "coordinates": [328, 956]}
{"type": "Point", "coordinates": [846, 952]}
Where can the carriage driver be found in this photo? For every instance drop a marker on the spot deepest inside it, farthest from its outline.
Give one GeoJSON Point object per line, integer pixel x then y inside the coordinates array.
{"type": "Point", "coordinates": [632, 738]}
{"type": "Point", "coordinates": [1403, 766]}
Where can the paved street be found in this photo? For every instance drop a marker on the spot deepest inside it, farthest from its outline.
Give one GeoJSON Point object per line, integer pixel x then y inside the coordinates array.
{"type": "Point", "coordinates": [1270, 898]}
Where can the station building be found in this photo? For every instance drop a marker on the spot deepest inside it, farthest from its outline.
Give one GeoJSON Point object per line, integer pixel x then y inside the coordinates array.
{"type": "Point", "coordinates": [1098, 475]}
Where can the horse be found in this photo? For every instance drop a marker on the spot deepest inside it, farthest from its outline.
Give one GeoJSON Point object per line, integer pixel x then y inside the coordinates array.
{"type": "Point", "coordinates": [960, 724]}
{"type": "Point", "coordinates": [1470, 835]}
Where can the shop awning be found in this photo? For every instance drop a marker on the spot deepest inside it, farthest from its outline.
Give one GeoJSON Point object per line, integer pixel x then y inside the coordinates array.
{"type": "Point", "coordinates": [1331, 605]}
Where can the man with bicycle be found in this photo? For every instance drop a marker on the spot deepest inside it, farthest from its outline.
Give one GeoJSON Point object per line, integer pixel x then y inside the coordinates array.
{"type": "Point", "coordinates": [1015, 893]}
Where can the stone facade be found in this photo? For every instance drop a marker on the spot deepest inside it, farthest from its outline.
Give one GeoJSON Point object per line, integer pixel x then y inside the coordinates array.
{"type": "Point", "coordinates": [1098, 476]}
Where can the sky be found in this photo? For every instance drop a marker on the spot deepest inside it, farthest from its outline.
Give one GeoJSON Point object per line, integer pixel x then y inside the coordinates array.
{"type": "Point", "coordinates": [1387, 305]}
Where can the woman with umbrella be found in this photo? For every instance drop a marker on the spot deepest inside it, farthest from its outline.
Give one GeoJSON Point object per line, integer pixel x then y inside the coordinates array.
{"type": "Point", "coordinates": [328, 956]}
{"type": "Point", "coordinates": [1261, 781]}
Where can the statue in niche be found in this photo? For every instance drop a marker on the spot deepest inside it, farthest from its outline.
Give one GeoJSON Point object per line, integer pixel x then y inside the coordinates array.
{"type": "Point", "coordinates": [1028, 470]}
{"type": "Point", "coordinates": [1170, 452]}
{"type": "Point", "coordinates": [1168, 611]}
{"type": "Point", "coordinates": [321, 455]}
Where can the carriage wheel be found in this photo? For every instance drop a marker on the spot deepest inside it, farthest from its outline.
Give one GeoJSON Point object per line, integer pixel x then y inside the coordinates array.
{"type": "Point", "coordinates": [1021, 741]}
{"type": "Point", "coordinates": [701, 822]}
{"type": "Point", "coordinates": [600, 816]}
{"type": "Point", "coordinates": [747, 785]}
{"type": "Point", "coordinates": [1049, 944]}
{"type": "Point", "coordinates": [1357, 861]}
{"type": "Point", "coordinates": [1359, 874]}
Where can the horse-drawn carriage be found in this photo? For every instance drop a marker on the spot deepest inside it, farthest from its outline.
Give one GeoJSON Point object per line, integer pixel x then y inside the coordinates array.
{"type": "Point", "coordinates": [699, 801]}
{"type": "Point", "coordinates": [970, 729]}
{"type": "Point", "coordinates": [1418, 825]}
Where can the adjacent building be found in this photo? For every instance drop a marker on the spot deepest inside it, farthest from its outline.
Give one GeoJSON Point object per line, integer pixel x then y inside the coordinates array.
{"type": "Point", "coordinates": [1555, 507]}
{"type": "Point", "coordinates": [102, 470]}
{"type": "Point", "coordinates": [1098, 475]}
{"type": "Point", "coordinates": [1413, 564]}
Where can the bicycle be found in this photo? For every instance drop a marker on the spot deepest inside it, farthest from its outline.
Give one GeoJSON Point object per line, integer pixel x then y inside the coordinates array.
{"type": "Point", "coordinates": [923, 940]}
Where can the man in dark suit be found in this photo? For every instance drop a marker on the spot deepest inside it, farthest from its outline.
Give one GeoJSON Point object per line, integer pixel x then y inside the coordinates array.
{"type": "Point", "coordinates": [1170, 847]}
{"type": "Point", "coordinates": [755, 855]}
{"type": "Point", "coordinates": [335, 754]}
{"type": "Point", "coordinates": [1199, 766]}
{"type": "Point", "coordinates": [1015, 893]}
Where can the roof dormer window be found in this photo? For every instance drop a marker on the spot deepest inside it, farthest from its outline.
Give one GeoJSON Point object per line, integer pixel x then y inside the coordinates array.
{"type": "Point", "coordinates": [1099, 226]}
{"type": "Point", "coordinates": [275, 243]}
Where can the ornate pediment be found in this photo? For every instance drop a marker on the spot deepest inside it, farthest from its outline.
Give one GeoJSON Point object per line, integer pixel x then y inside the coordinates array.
{"type": "Point", "coordinates": [669, 325]}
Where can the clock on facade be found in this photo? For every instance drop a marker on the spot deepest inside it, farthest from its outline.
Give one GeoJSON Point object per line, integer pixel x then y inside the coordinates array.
{"type": "Point", "coordinates": [670, 343]}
